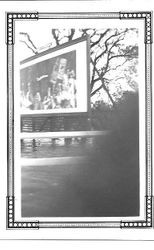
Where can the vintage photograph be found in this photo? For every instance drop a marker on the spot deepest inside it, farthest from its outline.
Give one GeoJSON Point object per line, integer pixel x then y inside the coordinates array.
{"type": "Point", "coordinates": [79, 112]}
{"type": "Point", "coordinates": [87, 174]}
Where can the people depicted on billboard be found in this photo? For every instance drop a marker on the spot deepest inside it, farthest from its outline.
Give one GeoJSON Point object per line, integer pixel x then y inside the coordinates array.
{"type": "Point", "coordinates": [52, 86]}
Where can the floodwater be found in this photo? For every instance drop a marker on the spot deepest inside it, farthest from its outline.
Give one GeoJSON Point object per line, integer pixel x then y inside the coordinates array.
{"type": "Point", "coordinates": [106, 184]}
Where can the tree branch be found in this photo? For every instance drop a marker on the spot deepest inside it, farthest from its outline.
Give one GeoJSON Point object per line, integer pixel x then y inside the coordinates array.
{"type": "Point", "coordinates": [100, 38]}
{"type": "Point", "coordinates": [96, 90]}
{"type": "Point", "coordinates": [28, 38]}
{"type": "Point", "coordinates": [55, 36]}
{"type": "Point", "coordinates": [92, 80]}
{"type": "Point", "coordinates": [102, 85]}
{"type": "Point", "coordinates": [110, 69]}
{"type": "Point", "coordinates": [34, 51]}
{"type": "Point", "coordinates": [72, 32]}
{"type": "Point", "coordinates": [106, 43]}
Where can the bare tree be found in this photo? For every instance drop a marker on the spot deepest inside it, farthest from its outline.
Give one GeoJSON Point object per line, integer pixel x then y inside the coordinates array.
{"type": "Point", "coordinates": [110, 49]}
{"type": "Point", "coordinates": [108, 53]}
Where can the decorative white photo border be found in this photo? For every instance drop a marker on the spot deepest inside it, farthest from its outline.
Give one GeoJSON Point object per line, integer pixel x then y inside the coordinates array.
{"type": "Point", "coordinates": [11, 19]}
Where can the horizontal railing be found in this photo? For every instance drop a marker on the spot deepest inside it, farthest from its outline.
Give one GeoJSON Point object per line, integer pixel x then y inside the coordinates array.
{"type": "Point", "coordinates": [63, 134]}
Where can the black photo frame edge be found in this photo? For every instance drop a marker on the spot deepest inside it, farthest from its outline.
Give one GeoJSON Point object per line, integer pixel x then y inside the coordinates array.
{"type": "Point", "coordinates": [11, 18]}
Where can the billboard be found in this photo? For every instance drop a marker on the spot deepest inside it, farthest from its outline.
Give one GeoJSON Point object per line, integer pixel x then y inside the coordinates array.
{"type": "Point", "coordinates": [56, 81]}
